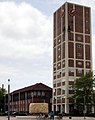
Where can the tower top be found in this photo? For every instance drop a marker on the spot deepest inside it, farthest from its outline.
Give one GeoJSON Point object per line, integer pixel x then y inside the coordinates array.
{"type": "Point", "coordinates": [73, 4]}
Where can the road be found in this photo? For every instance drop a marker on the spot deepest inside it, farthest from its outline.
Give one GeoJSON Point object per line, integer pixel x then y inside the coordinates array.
{"type": "Point", "coordinates": [33, 118]}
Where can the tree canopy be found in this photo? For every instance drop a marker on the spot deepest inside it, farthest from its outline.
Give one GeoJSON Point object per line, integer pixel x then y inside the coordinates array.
{"type": "Point", "coordinates": [2, 93]}
{"type": "Point", "coordinates": [84, 87]}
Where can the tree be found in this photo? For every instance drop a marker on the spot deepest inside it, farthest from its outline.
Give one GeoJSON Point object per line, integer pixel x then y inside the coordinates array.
{"type": "Point", "coordinates": [84, 92]}
{"type": "Point", "coordinates": [2, 93]}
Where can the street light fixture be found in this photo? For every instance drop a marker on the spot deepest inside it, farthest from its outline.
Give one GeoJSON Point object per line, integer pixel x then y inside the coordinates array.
{"type": "Point", "coordinates": [8, 99]}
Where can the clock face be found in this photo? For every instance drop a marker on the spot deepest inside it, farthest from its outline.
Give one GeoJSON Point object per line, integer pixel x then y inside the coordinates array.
{"type": "Point", "coordinates": [62, 12]}
{"type": "Point", "coordinates": [72, 12]}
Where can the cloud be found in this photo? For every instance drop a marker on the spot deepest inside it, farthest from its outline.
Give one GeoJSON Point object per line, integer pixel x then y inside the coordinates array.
{"type": "Point", "coordinates": [26, 40]}
{"type": "Point", "coordinates": [25, 44]}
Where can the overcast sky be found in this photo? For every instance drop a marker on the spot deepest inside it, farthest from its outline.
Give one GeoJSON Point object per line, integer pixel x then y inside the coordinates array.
{"type": "Point", "coordinates": [26, 40]}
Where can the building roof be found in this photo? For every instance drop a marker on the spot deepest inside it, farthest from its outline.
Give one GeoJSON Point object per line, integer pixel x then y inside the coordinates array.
{"type": "Point", "coordinates": [35, 87]}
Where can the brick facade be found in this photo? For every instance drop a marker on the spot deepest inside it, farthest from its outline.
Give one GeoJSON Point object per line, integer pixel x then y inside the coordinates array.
{"type": "Point", "coordinates": [21, 98]}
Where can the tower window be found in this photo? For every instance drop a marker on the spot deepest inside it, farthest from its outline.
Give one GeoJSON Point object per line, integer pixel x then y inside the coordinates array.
{"type": "Point", "coordinates": [63, 62]}
{"type": "Point", "coordinates": [69, 29]}
{"type": "Point", "coordinates": [79, 71]}
{"type": "Point", "coordinates": [71, 70]}
{"type": "Point", "coordinates": [59, 40]}
{"type": "Point", "coordinates": [79, 63]}
{"type": "Point", "coordinates": [86, 29]}
{"type": "Point", "coordinates": [86, 21]}
{"type": "Point", "coordinates": [59, 64]}
{"type": "Point", "coordinates": [64, 28]}
{"type": "Point", "coordinates": [79, 38]}
{"type": "Point", "coordinates": [59, 48]}
{"type": "Point", "coordinates": [59, 56]}
{"type": "Point", "coordinates": [79, 46]}
{"type": "Point", "coordinates": [88, 64]}
{"type": "Point", "coordinates": [86, 12]}
{"type": "Point", "coordinates": [79, 54]}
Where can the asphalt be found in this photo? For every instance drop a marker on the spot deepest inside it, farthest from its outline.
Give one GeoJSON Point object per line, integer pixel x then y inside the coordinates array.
{"type": "Point", "coordinates": [34, 118]}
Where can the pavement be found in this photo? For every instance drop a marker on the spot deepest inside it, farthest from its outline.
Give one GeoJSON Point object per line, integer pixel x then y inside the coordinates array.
{"type": "Point", "coordinates": [34, 118]}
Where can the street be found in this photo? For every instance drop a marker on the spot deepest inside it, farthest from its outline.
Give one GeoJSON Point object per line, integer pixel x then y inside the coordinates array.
{"type": "Point", "coordinates": [34, 118]}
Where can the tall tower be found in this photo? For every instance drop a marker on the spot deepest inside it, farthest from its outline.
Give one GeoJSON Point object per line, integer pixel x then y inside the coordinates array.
{"type": "Point", "coordinates": [72, 51]}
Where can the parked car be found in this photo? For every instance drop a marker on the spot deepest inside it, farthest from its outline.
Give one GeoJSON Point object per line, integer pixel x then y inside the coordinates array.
{"type": "Point", "coordinates": [19, 113]}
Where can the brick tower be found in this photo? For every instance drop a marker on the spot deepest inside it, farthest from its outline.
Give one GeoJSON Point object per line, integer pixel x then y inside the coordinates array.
{"type": "Point", "coordinates": [72, 51]}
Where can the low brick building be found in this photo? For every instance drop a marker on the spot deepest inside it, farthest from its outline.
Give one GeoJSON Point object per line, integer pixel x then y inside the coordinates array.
{"type": "Point", "coordinates": [21, 98]}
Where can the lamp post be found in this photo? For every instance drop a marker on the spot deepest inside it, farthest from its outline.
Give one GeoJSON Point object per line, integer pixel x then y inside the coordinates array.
{"type": "Point", "coordinates": [4, 103]}
{"type": "Point", "coordinates": [8, 99]}
{"type": "Point", "coordinates": [84, 104]}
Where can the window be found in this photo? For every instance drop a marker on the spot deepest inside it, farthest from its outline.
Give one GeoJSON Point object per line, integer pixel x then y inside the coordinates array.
{"type": "Point", "coordinates": [86, 29]}
{"type": "Point", "coordinates": [59, 56]}
{"type": "Point", "coordinates": [80, 71]}
{"type": "Point", "coordinates": [59, 91]}
{"type": "Point", "coordinates": [79, 63]}
{"type": "Point", "coordinates": [54, 72]}
{"type": "Point", "coordinates": [88, 63]}
{"type": "Point", "coordinates": [55, 65]}
{"type": "Point", "coordinates": [59, 48]}
{"type": "Point", "coordinates": [79, 38]}
{"type": "Point", "coordinates": [71, 72]}
{"type": "Point", "coordinates": [63, 62]}
{"type": "Point", "coordinates": [86, 12]}
{"type": "Point", "coordinates": [35, 93]}
{"type": "Point", "coordinates": [59, 40]}
{"type": "Point", "coordinates": [39, 93]}
{"type": "Point", "coordinates": [86, 21]}
{"type": "Point", "coordinates": [43, 93]}
{"type": "Point", "coordinates": [79, 54]}
{"type": "Point", "coordinates": [59, 64]}
{"type": "Point", "coordinates": [79, 46]}
{"type": "Point", "coordinates": [69, 29]}
{"type": "Point", "coordinates": [32, 94]}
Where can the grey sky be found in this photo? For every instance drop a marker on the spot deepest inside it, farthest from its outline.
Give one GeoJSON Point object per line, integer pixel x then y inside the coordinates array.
{"type": "Point", "coordinates": [26, 38]}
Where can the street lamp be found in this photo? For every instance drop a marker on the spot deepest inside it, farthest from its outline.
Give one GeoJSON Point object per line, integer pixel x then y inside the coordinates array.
{"type": "Point", "coordinates": [8, 99]}
{"type": "Point", "coordinates": [84, 103]}
{"type": "Point", "coordinates": [84, 107]}
{"type": "Point", "coordinates": [4, 103]}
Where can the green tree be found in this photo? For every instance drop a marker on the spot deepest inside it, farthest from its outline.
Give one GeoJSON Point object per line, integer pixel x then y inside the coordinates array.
{"type": "Point", "coordinates": [2, 93]}
{"type": "Point", "coordinates": [84, 92]}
